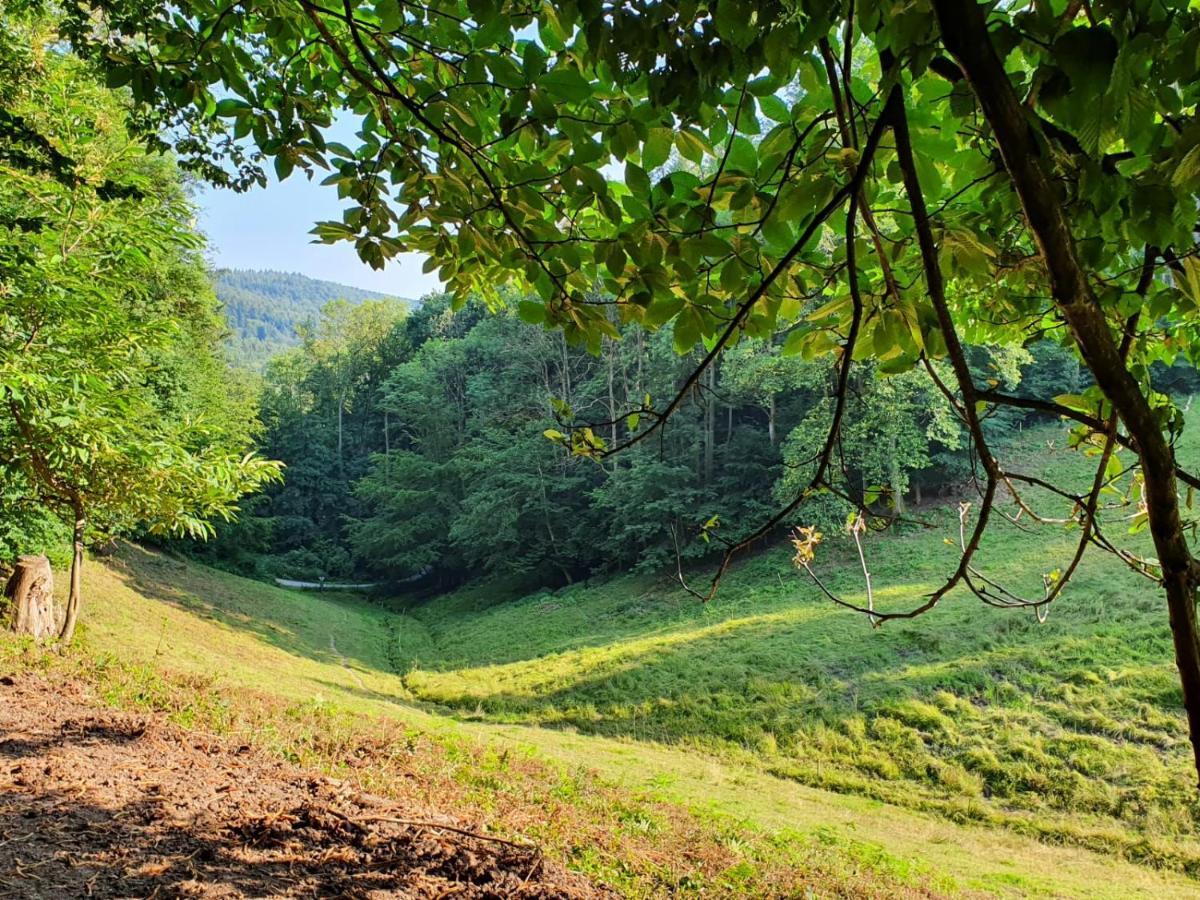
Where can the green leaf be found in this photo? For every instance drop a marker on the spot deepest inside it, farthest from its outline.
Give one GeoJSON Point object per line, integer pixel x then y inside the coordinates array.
{"type": "Point", "coordinates": [637, 180]}
{"type": "Point", "coordinates": [390, 15]}
{"type": "Point", "coordinates": [1077, 402]}
{"type": "Point", "coordinates": [231, 106]}
{"type": "Point", "coordinates": [661, 311]}
{"type": "Point", "coordinates": [1189, 280]}
{"type": "Point", "coordinates": [793, 345]}
{"type": "Point", "coordinates": [687, 331]}
{"type": "Point", "coordinates": [734, 20]}
{"type": "Point", "coordinates": [505, 71]}
{"type": "Point", "coordinates": [1187, 174]}
{"type": "Point", "coordinates": [566, 84]}
{"type": "Point", "coordinates": [531, 311]}
{"type": "Point", "coordinates": [774, 108]}
{"type": "Point", "coordinates": [778, 233]}
{"type": "Point", "coordinates": [550, 30]}
{"type": "Point", "coordinates": [657, 147]}
{"type": "Point", "coordinates": [743, 157]}
{"type": "Point", "coordinates": [691, 147]}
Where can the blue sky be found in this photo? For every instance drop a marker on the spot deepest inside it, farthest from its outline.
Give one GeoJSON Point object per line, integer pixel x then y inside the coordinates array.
{"type": "Point", "coordinates": [267, 228]}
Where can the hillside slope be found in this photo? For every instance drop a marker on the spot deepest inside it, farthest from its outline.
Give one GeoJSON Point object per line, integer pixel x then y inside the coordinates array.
{"type": "Point", "coordinates": [1070, 731]}
{"type": "Point", "coordinates": [173, 637]}
{"type": "Point", "coordinates": [182, 617]}
{"type": "Point", "coordinates": [264, 307]}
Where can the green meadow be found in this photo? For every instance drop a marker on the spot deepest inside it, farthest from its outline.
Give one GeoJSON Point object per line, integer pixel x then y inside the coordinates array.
{"type": "Point", "coordinates": [972, 746]}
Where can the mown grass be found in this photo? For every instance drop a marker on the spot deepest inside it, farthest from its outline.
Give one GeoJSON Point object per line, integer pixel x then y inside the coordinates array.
{"type": "Point", "coordinates": [172, 611]}
{"type": "Point", "coordinates": [968, 750]}
{"type": "Point", "coordinates": [1070, 731]}
{"type": "Point", "coordinates": [633, 841]}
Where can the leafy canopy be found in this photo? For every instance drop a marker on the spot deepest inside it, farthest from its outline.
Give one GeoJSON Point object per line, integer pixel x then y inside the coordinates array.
{"type": "Point", "coordinates": [522, 139]}
{"type": "Point", "coordinates": [117, 406]}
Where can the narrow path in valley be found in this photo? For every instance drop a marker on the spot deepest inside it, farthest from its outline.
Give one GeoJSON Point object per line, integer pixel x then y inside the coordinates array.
{"type": "Point", "coordinates": [345, 663]}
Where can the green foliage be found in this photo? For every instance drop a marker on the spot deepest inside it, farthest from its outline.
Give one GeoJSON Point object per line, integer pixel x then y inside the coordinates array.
{"type": "Point", "coordinates": [446, 472]}
{"type": "Point", "coordinates": [319, 403]}
{"type": "Point", "coordinates": [266, 309]}
{"type": "Point", "coordinates": [697, 150]}
{"type": "Point", "coordinates": [27, 527]}
{"type": "Point", "coordinates": [895, 426]}
{"type": "Point", "coordinates": [118, 411]}
{"type": "Point", "coordinates": [888, 182]}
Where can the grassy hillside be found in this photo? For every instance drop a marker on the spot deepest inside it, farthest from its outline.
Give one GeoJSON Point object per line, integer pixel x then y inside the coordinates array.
{"type": "Point", "coordinates": [308, 677]}
{"type": "Point", "coordinates": [734, 709]}
{"type": "Point", "coordinates": [1069, 730]}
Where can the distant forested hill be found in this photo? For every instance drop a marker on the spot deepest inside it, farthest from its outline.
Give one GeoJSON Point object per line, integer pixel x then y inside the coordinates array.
{"type": "Point", "coordinates": [263, 308]}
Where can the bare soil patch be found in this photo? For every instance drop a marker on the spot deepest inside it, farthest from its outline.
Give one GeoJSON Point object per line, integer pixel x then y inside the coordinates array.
{"type": "Point", "coordinates": [100, 803]}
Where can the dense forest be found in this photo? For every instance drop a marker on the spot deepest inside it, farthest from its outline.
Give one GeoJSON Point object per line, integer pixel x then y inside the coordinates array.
{"type": "Point", "coordinates": [423, 443]}
{"type": "Point", "coordinates": [266, 309]}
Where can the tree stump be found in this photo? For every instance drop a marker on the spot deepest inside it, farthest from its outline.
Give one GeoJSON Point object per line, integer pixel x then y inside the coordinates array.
{"type": "Point", "coordinates": [30, 595]}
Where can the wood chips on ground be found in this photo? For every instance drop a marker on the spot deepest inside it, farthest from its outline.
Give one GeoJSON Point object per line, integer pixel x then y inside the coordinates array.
{"type": "Point", "coordinates": [100, 803]}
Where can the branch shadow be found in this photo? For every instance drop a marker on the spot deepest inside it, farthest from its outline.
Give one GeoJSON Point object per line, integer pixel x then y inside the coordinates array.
{"type": "Point", "coordinates": [60, 837]}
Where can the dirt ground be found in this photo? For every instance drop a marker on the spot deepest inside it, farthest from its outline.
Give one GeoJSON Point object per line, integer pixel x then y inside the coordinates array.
{"type": "Point", "coordinates": [100, 803]}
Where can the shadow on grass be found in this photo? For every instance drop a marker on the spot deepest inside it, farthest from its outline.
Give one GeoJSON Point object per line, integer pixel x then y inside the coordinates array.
{"type": "Point", "coordinates": [300, 625]}
{"type": "Point", "coordinates": [905, 568]}
{"type": "Point", "coordinates": [738, 682]}
{"type": "Point", "coordinates": [58, 842]}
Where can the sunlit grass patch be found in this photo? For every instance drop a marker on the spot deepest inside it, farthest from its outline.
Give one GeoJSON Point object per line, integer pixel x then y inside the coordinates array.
{"type": "Point", "coordinates": [1070, 729]}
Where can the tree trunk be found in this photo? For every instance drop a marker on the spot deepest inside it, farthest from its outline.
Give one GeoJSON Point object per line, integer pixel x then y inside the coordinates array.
{"type": "Point", "coordinates": [1180, 586]}
{"type": "Point", "coordinates": [341, 407]}
{"type": "Point", "coordinates": [965, 35]}
{"type": "Point", "coordinates": [771, 420]}
{"type": "Point", "coordinates": [73, 594]}
{"type": "Point", "coordinates": [894, 474]}
{"type": "Point", "coordinates": [612, 399]}
{"type": "Point", "coordinates": [710, 423]}
{"type": "Point", "coordinates": [30, 592]}
{"type": "Point", "coordinates": [641, 348]}
{"type": "Point", "coordinates": [387, 445]}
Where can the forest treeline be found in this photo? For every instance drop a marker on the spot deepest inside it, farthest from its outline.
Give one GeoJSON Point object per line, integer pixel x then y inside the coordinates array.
{"type": "Point", "coordinates": [265, 309]}
{"type": "Point", "coordinates": [416, 444]}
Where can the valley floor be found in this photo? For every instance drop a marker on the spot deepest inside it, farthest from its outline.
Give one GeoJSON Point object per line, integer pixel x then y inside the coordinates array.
{"type": "Point", "coordinates": [606, 803]}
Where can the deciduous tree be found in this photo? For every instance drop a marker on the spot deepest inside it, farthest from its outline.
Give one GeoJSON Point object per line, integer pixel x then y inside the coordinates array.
{"type": "Point", "coordinates": [111, 413]}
